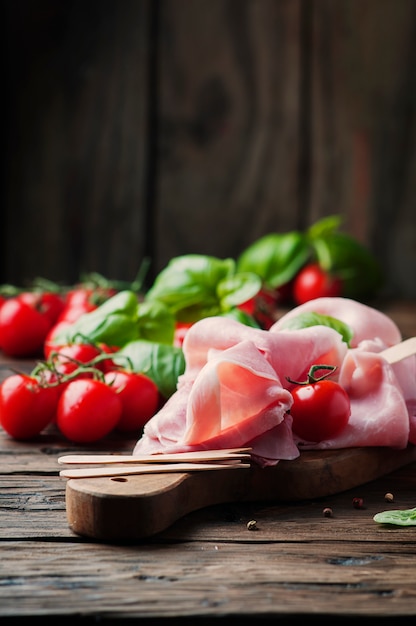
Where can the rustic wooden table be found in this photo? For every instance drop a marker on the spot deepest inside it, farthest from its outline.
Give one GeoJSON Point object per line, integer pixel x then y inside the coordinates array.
{"type": "Point", "coordinates": [207, 565]}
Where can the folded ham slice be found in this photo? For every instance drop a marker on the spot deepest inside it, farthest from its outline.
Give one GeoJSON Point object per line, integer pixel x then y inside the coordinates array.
{"type": "Point", "coordinates": [234, 391]}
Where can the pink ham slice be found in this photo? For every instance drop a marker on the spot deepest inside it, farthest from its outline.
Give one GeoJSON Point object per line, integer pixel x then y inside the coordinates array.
{"type": "Point", "coordinates": [366, 322]}
{"type": "Point", "coordinates": [234, 392]}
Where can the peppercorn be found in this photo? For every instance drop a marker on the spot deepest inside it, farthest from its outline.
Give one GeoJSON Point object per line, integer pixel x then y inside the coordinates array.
{"type": "Point", "coordinates": [357, 503]}
{"type": "Point", "coordinates": [252, 525]}
{"type": "Point", "coordinates": [389, 497]}
{"type": "Point", "coordinates": [327, 512]}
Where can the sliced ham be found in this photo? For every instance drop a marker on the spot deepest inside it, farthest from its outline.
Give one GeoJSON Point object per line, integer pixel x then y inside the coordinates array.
{"type": "Point", "coordinates": [365, 322]}
{"type": "Point", "coordinates": [234, 390]}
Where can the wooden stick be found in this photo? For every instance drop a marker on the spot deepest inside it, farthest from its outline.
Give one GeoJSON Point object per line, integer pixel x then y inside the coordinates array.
{"type": "Point", "coordinates": [400, 351]}
{"type": "Point", "coordinates": [153, 468]}
{"type": "Point", "coordinates": [200, 455]}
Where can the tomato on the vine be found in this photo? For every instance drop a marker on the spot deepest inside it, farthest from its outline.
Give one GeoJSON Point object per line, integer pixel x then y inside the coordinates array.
{"type": "Point", "coordinates": [83, 300]}
{"type": "Point", "coordinates": [26, 406]}
{"type": "Point", "coordinates": [23, 328]}
{"type": "Point", "coordinates": [88, 410]}
{"type": "Point", "coordinates": [321, 408]}
{"type": "Point", "coordinates": [48, 303]}
{"type": "Point", "coordinates": [139, 396]}
{"type": "Point", "coordinates": [68, 358]}
{"type": "Point", "coordinates": [314, 282]}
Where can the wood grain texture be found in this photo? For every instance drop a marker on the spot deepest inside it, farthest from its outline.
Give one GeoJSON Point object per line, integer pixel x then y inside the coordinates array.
{"type": "Point", "coordinates": [134, 507]}
{"type": "Point", "coordinates": [362, 126]}
{"type": "Point", "coordinates": [77, 139]}
{"type": "Point", "coordinates": [158, 128]}
{"type": "Point", "coordinates": [229, 87]}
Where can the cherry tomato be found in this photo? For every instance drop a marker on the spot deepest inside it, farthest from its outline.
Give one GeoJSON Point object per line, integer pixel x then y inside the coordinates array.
{"type": "Point", "coordinates": [26, 407]}
{"type": "Point", "coordinates": [320, 410]}
{"type": "Point", "coordinates": [262, 307]}
{"type": "Point", "coordinates": [70, 357]}
{"type": "Point", "coordinates": [139, 396]}
{"type": "Point", "coordinates": [48, 303]}
{"type": "Point", "coordinates": [83, 300]}
{"type": "Point", "coordinates": [88, 410]}
{"type": "Point", "coordinates": [181, 328]}
{"type": "Point", "coordinates": [314, 282]}
{"type": "Point", "coordinates": [51, 342]}
{"type": "Point", "coordinates": [23, 328]}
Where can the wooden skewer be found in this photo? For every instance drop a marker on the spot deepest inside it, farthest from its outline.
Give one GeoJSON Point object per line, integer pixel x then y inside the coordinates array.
{"type": "Point", "coordinates": [153, 468]}
{"type": "Point", "coordinates": [400, 351]}
{"type": "Point", "coordinates": [200, 455]}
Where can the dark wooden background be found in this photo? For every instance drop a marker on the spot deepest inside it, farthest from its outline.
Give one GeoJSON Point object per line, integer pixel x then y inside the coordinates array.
{"type": "Point", "coordinates": [153, 128]}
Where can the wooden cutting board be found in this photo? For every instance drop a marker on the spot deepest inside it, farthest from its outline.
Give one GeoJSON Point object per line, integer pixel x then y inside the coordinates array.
{"type": "Point", "coordinates": [139, 506]}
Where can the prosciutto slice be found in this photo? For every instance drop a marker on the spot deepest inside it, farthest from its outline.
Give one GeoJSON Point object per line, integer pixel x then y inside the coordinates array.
{"type": "Point", "coordinates": [234, 390]}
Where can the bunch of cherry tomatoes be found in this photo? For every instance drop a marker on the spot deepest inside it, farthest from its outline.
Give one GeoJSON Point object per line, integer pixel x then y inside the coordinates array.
{"type": "Point", "coordinates": [78, 387]}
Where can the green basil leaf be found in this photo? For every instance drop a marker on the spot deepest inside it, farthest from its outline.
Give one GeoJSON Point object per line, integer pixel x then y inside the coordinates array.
{"type": "Point", "coordinates": [114, 322]}
{"type": "Point", "coordinates": [155, 322]}
{"type": "Point", "coordinates": [162, 363]}
{"type": "Point", "coordinates": [345, 257]}
{"type": "Point", "coordinates": [188, 285]}
{"type": "Point", "coordinates": [324, 227]}
{"type": "Point", "coordinates": [242, 317]}
{"type": "Point", "coordinates": [399, 518]}
{"type": "Point", "coordinates": [276, 257]}
{"type": "Point", "coordinates": [238, 289]}
{"type": "Point", "coordinates": [310, 318]}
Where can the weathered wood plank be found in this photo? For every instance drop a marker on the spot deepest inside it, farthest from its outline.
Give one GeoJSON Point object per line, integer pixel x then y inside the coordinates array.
{"type": "Point", "coordinates": [229, 81]}
{"type": "Point", "coordinates": [177, 580]}
{"type": "Point", "coordinates": [78, 83]}
{"type": "Point", "coordinates": [36, 495]}
{"type": "Point", "coordinates": [362, 111]}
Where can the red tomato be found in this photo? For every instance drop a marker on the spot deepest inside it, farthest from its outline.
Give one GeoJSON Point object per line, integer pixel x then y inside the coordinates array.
{"type": "Point", "coordinates": [72, 356]}
{"type": "Point", "coordinates": [83, 300]}
{"type": "Point", "coordinates": [320, 410]}
{"type": "Point", "coordinates": [313, 282]}
{"type": "Point", "coordinates": [23, 328]}
{"type": "Point", "coordinates": [26, 407]}
{"type": "Point", "coordinates": [48, 303]}
{"type": "Point", "coordinates": [262, 307]}
{"type": "Point", "coordinates": [88, 410]}
{"type": "Point", "coordinates": [50, 342]}
{"type": "Point", "coordinates": [181, 328]}
{"type": "Point", "coordinates": [139, 396]}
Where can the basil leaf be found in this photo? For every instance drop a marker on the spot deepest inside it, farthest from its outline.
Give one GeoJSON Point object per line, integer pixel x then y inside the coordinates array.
{"type": "Point", "coordinates": [310, 318]}
{"type": "Point", "coordinates": [242, 317]}
{"type": "Point", "coordinates": [160, 362]}
{"type": "Point", "coordinates": [324, 227]}
{"type": "Point", "coordinates": [155, 322]}
{"type": "Point", "coordinates": [238, 289]}
{"type": "Point", "coordinates": [399, 518]}
{"type": "Point", "coordinates": [188, 285]}
{"type": "Point", "coordinates": [276, 257]}
{"type": "Point", "coordinates": [114, 322]}
{"type": "Point", "coordinates": [345, 257]}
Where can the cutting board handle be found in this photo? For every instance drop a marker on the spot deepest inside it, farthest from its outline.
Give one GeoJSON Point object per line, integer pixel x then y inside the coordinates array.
{"type": "Point", "coordinates": [137, 507]}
